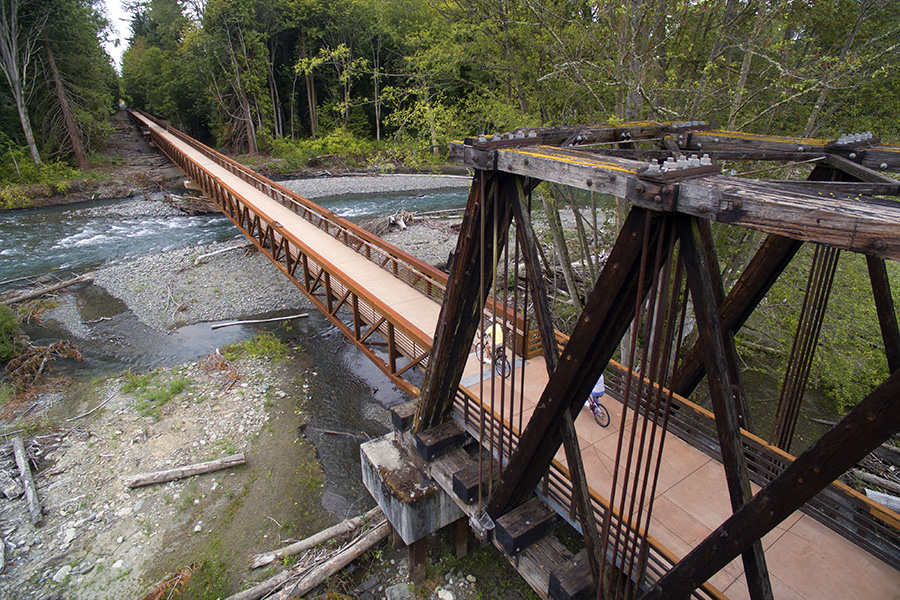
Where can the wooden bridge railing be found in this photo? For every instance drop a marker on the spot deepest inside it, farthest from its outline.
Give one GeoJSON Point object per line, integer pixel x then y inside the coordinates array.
{"type": "Point", "coordinates": [557, 490]}
{"type": "Point", "coordinates": [861, 520]}
{"type": "Point", "coordinates": [400, 346]}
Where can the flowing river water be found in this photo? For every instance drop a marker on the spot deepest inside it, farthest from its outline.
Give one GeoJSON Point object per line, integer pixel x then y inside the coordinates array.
{"type": "Point", "coordinates": [350, 393]}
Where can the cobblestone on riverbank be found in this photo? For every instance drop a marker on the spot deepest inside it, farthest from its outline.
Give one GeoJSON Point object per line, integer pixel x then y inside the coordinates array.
{"type": "Point", "coordinates": [321, 187]}
{"type": "Point", "coordinates": [171, 289]}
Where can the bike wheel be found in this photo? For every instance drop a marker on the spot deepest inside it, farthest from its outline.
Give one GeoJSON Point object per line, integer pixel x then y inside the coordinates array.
{"type": "Point", "coordinates": [601, 415]}
{"type": "Point", "coordinates": [503, 365]}
{"type": "Point", "coordinates": [479, 347]}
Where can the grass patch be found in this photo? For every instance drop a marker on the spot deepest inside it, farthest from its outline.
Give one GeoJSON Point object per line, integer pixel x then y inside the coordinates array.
{"type": "Point", "coordinates": [210, 579]}
{"type": "Point", "coordinates": [264, 345]}
{"type": "Point", "coordinates": [152, 394]}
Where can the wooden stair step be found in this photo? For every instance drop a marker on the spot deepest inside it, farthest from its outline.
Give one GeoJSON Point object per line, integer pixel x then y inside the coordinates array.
{"type": "Point", "coordinates": [439, 440]}
{"type": "Point", "coordinates": [402, 415]}
{"type": "Point", "coordinates": [573, 580]}
{"type": "Point", "coordinates": [524, 525]}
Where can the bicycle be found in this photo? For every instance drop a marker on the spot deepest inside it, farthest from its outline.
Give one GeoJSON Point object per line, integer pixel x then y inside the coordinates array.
{"type": "Point", "coordinates": [601, 415]}
{"type": "Point", "coordinates": [494, 354]}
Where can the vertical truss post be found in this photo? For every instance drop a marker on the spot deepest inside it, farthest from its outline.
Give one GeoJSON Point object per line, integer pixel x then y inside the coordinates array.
{"type": "Point", "coordinates": [461, 312]}
{"type": "Point", "coordinates": [707, 246]}
{"type": "Point", "coordinates": [875, 419]}
{"type": "Point", "coordinates": [884, 306]}
{"type": "Point", "coordinates": [594, 341]}
{"type": "Point", "coordinates": [543, 316]}
{"type": "Point", "coordinates": [702, 281]}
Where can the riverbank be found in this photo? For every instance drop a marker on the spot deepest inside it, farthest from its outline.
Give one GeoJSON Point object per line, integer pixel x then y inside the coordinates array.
{"type": "Point", "coordinates": [130, 167]}
{"type": "Point", "coordinates": [101, 540]}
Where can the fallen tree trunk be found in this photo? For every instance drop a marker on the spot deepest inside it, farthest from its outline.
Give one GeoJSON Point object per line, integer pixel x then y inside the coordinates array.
{"type": "Point", "coordinates": [31, 497]}
{"type": "Point", "coordinates": [255, 321]}
{"type": "Point", "coordinates": [320, 573]}
{"type": "Point", "coordinates": [202, 257]}
{"type": "Point", "coordinates": [50, 289]}
{"type": "Point", "coordinates": [342, 528]}
{"type": "Point", "coordinates": [891, 502]}
{"type": "Point", "coordinates": [313, 576]}
{"type": "Point", "coordinates": [142, 479]}
{"type": "Point", "coordinates": [881, 482]}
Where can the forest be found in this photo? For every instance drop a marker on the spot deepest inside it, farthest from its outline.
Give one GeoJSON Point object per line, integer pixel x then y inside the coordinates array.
{"type": "Point", "coordinates": [297, 79]}
{"type": "Point", "coordinates": [255, 75]}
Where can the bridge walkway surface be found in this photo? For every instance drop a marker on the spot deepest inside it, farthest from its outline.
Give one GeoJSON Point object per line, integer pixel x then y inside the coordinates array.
{"type": "Point", "coordinates": [805, 558]}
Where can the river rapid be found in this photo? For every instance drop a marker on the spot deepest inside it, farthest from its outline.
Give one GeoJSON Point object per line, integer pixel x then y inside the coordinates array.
{"type": "Point", "coordinates": [151, 304]}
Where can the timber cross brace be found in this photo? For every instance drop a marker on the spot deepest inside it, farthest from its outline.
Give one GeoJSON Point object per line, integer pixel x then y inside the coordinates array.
{"type": "Point", "coordinates": [663, 255]}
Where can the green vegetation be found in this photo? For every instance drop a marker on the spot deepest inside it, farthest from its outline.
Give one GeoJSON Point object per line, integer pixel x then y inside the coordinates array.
{"type": "Point", "coordinates": [151, 393]}
{"type": "Point", "coordinates": [209, 580]}
{"type": "Point", "coordinates": [264, 345]}
{"type": "Point", "coordinates": [58, 88]}
{"type": "Point", "coordinates": [10, 335]}
{"type": "Point", "coordinates": [256, 75]}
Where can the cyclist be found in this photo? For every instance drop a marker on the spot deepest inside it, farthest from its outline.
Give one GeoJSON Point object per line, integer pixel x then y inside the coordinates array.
{"type": "Point", "coordinates": [598, 392]}
{"type": "Point", "coordinates": [493, 339]}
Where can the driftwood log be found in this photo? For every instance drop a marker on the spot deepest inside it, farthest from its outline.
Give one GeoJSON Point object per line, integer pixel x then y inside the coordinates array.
{"type": "Point", "coordinates": [31, 497]}
{"type": "Point", "coordinates": [255, 321]}
{"type": "Point", "coordinates": [881, 482]}
{"type": "Point", "coordinates": [342, 528]}
{"type": "Point", "coordinates": [312, 577]}
{"type": "Point", "coordinates": [203, 257]}
{"type": "Point", "coordinates": [320, 573]}
{"type": "Point", "coordinates": [886, 500]}
{"type": "Point", "coordinates": [142, 479]}
{"type": "Point", "coordinates": [50, 289]}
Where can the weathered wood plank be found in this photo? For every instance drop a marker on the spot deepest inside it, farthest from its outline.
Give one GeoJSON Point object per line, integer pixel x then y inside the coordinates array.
{"type": "Point", "coordinates": [839, 187]}
{"type": "Point", "coordinates": [843, 221]}
{"type": "Point", "coordinates": [440, 439]}
{"type": "Point", "coordinates": [702, 281]}
{"type": "Point", "coordinates": [461, 312]}
{"type": "Point", "coordinates": [524, 525]}
{"type": "Point", "coordinates": [402, 415]}
{"type": "Point", "coordinates": [864, 428]}
{"type": "Point", "coordinates": [858, 171]}
{"type": "Point", "coordinates": [572, 581]}
{"type": "Point", "coordinates": [884, 306]}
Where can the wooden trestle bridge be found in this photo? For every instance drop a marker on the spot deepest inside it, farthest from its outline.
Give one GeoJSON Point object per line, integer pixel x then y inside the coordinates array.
{"type": "Point", "coordinates": [672, 500]}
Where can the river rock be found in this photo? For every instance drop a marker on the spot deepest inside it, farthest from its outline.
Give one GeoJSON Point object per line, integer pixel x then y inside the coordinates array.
{"type": "Point", "coordinates": [62, 574]}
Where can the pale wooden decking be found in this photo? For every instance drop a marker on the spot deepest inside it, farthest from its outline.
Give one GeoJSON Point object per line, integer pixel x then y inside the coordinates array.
{"type": "Point", "coordinates": [806, 560]}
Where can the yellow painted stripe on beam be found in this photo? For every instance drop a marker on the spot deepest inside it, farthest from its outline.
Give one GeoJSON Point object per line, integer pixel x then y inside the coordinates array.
{"type": "Point", "coordinates": [767, 138]}
{"type": "Point", "coordinates": [572, 161]}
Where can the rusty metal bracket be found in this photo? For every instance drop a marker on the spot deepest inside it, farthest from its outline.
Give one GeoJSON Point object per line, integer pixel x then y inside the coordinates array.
{"type": "Point", "coordinates": [653, 195]}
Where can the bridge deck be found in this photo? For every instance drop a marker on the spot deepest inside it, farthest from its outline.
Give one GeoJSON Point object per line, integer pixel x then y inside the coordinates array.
{"type": "Point", "coordinates": [805, 559]}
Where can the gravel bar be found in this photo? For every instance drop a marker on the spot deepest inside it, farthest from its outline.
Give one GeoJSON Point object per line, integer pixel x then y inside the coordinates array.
{"type": "Point", "coordinates": [323, 187]}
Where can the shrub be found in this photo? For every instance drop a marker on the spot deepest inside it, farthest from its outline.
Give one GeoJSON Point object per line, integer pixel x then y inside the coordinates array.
{"type": "Point", "coordinates": [10, 335]}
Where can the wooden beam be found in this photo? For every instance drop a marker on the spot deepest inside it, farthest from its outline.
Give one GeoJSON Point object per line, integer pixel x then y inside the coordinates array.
{"type": "Point", "coordinates": [594, 341]}
{"type": "Point", "coordinates": [461, 310]}
{"type": "Point", "coordinates": [871, 422]}
{"type": "Point", "coordinates": [767, 264]}
{"type": "Point", "coordinates": [702, 279]}
{"type": "Point", "coordinates": [543, 316]}
{"type": "Point", "coordinates": [841, 187]}
{"type": "Point", "coordinates": [884, 306]}
{"type": "Point", "coordinates": [867, 225]}
{"type": "Point", "coordinates": [739, 396]}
